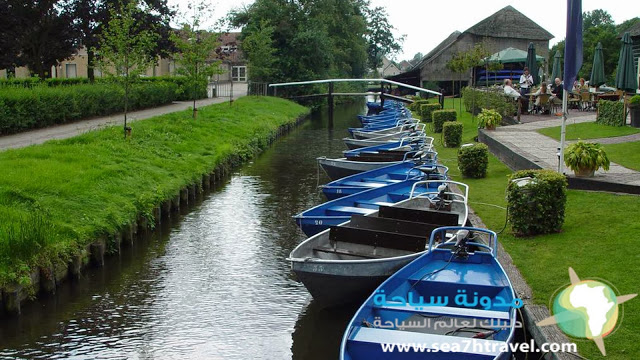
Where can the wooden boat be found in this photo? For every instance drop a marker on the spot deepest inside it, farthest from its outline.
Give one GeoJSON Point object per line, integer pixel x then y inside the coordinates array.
{"type": "Point", "coordinates": [345, 263]}
{"type": "Point", "coordinates": [428, 304]}
{"type": "Point", "coordinates": [368, 133]}
{"type": "Point", "coordinates": [424, 170]}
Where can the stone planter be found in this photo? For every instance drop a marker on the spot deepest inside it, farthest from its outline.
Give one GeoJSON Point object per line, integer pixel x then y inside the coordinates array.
{"type": "Point", "coordinates": [635, 116]}
{"type": "Point", "coordinates": [584, 172]}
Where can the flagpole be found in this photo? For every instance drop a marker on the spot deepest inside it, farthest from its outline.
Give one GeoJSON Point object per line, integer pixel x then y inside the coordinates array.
{"type": "Point", "coordinates": [565, 95]}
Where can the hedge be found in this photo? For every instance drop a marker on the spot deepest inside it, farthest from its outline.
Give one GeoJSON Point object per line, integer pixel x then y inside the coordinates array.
{"type": "Point", "coordinates": [474, 100]}
{"type": "Point", "coordinates": [184, 90]}
{"type": "Point", "coordinates": [440, 116]}
{"type": "Point", "coordinates": [415, 105]}
{"type": "Point", "coordinates": [536, 206]}
{"type": "Point", "coordinates": [426, 111]}
{"type": "Point", "coordinates": [22, 109]}
{"type": "Point", "coordinates": [610, 113]}
{"type": "Point", "coordinates": [473, 160]}
{"type": "Point", "coordinates": [452, 132]}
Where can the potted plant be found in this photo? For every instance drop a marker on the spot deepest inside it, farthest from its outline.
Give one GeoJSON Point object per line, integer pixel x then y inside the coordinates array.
{"type": "Point", "coordinates": [634, 109]}
{"type": "Point", "coordinates": [585, 158]}
{"type": "Point", "coordinates": [489, 119]}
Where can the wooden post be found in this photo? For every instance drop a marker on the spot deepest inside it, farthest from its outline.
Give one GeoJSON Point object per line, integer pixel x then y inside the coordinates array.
{"type": "Point", "coordinates": [330, 100]}
{"type": "Point", "coordinates": [382, 94]}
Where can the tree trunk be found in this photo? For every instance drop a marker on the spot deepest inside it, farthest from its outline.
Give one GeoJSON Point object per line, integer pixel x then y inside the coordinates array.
{"type": "Point", "coordinates": [90, 62]}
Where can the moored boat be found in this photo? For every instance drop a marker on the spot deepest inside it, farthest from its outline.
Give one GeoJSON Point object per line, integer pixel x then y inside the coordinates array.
{"type": "Point", "coordinates": [448, 277]}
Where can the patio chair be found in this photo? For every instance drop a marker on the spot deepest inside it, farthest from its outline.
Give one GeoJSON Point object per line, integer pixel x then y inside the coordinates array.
{"type": "Point", "coordinates": [543, 102]}
{"type": "Point", "coordinates": [586, 101]}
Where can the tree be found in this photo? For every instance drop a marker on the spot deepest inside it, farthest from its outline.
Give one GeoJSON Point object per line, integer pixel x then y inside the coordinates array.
{"type": "Point", "coordinates": [38, 34]}
{"type": "Point", "coordinates": [125, 49]}
{"type": "Point", "coordinates": [195, 48]}
{"type": "Point", "coordinates": [379, 36]}
{"type": "Point", "coordinates": [260, 51]}
{"type": "Point", "coordinates": [598, 26]}
{"type": "Point", "coordinates": [91, 17]}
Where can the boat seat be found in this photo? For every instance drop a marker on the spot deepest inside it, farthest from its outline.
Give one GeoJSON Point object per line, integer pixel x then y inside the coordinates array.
{"type": "Point", "coordinates": [442, 218]}
{"type": "Point", "coordinates": [392, 225]}
{"type": "Point", "coordinates": [373, 337]}
{"type": "Point", "coordinates": [365, 183]}
{"type": "Point", "coordinates": [348, 252]}
{"type": "Point", "coordinates": [377, 238]}
{"type": "Point", "coordinates": [373, 202]}
{"type": "Point", "coordinates": [448, 310]}
{"type": "Point", "coordinates": [348, 210]}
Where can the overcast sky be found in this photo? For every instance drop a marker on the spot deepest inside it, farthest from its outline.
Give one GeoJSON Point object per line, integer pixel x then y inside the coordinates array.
{"type": "Point", "coordinates": [427, 23]}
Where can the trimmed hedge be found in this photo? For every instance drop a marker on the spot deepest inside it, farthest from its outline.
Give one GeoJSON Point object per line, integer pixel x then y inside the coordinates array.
{"type": "Point", "coordinates": [474, 100]}
{"type": "Point", "coordinates": [426, 111]}
{"type": "Point", "coordinates": [452, 132]}
{"type": "Point", "coordinates": [610, 113]}
{"type": "Point", "coordinates": [415, 105]}
{"type": "Point", "coordinates": [536, 207]}
{"type": "Point", "coordinates": [473, 160]}
{"type": "Point", "coordinates": [440, 116]}
{"type": "Point", "coordinates": [22, 109]}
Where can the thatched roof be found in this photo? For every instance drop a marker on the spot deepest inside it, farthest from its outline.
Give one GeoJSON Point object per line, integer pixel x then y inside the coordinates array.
{"type": "Point", "coordinates": [510, 23]}
{"type": "Point", "coordinates": [633, 31]}
{"type": "Point", "coordinates": [439, 48]}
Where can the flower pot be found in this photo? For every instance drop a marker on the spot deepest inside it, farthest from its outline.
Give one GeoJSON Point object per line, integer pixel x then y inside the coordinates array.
{"type": "Point", "coordinates": [490, 127]}
{"type": "Point", "coordinates": [584, 172]}
{"type": "Point", "coordinates": [635, 116]}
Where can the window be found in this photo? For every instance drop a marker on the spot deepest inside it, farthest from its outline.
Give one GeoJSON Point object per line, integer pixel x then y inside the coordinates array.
{"type": "Point", "coordinates": [239, 73]}
{"type": "Point", "coordinates": [71, 71]}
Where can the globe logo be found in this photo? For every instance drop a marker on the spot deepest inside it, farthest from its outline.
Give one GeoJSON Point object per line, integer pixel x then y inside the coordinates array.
{"type": "Point", "coordinates": [586, 309]}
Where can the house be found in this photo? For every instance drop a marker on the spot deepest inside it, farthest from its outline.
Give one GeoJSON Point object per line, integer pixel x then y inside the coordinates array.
{"type": "Point", "coordinates": [506, 28]}
{"type": "Point", "coordinates": [388, 68]}
{"type": "Point", "coordinates": [233, 64]}
{"type": "Point", "coordinates": [634, 31]}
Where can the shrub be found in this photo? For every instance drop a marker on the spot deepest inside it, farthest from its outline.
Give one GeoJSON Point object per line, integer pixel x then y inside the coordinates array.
{"type": "Point", "coordinates": [536, 206]}
{"type": "Point", "coordinates": [415, 106]}
{"type": "Point", "coordinates": [440, 116]}
{"type": "Point", "coordinates": [40, 106]}
{"type": "Point", "coordinates": [489, 119]}
{"type": "Point", "coordinates": [473, 160]}
{"type": "Point", "coordinates": [634, 101]}
{"type": "Point", "coordinates": [492, 99]}
{"type": "Point", "coordinates": [426, 111]}
{"type": "Point", "coordinates": [586, 157]}
{"type": "Point", "coordinates": [610, 113]}
{"type": "Point", "coordinates": [452, 132]}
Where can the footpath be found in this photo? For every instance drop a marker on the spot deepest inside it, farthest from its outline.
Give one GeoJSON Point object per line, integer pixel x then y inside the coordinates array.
{"type": "Point", "coordinates": [522, 147]}
{"type": "Point", "coordinates": [38, 136]}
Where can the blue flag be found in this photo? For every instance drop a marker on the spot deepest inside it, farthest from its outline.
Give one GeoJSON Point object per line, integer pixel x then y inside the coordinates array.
{"type": "Point", "coordinates": [573, 43]}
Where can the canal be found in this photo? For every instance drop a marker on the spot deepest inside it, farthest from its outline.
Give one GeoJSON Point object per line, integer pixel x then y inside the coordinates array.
{"type": "Point", "coordinates": [213, 284]}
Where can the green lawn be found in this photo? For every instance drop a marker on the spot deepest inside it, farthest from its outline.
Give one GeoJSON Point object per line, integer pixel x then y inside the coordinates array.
{"type": "Point", "coordinates": [57, 197]}
{"type": "Point", "coordinates": [625, 154]}
{"type": "Point", "coordinates": [588, 130]}
{"type": "Point", "coordinates": [595, 240]}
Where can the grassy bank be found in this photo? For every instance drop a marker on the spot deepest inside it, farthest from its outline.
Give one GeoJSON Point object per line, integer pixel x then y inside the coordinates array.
{"type": "Point", "coordinates": [57, 197]}
{"type": "Point", "coordinates": [589, 130]}
{"type": "Point", "coordinates": [598, 231]}
{"type": "Point", "coordinates": [626, 154]}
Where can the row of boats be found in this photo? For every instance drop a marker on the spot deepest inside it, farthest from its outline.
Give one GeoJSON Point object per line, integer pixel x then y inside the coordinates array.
{"type": "Point", "coordinates": [394, 237]}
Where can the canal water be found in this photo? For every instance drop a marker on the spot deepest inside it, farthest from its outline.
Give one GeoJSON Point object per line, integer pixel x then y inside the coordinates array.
{"type": "Point", "coordinates": [214, 284]}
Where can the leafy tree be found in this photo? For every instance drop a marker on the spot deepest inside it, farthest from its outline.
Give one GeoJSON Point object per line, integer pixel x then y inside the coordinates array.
{"type": "Point", "coordinates": [380, 39]}
{"type": "Point", "coordinates": [39, 34]}
{"type": "Point", "coordinates": [195, 48]}
{"type": "Point", "coordinates": [598, 26]}
{"type": "Point", "coordinates": [91, 17]}
{"type": "Point", "coordinates": [125, 48]}
{"type": "Point", "coordinates": [260, 51]}
{"type": "Point", "coordinates": [416, 58]}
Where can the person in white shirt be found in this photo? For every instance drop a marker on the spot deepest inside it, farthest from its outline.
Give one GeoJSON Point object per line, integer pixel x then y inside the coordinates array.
{"type": "Point", "coordinates": [509, 90]}
{"type": "Point", "coordinates": [526, 80]}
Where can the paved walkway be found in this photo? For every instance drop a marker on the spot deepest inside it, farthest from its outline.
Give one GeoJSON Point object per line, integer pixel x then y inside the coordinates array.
{"type": "Point", "coordinates": [38, 136]}
{"type": "Point", "coordinates": [523, 140]}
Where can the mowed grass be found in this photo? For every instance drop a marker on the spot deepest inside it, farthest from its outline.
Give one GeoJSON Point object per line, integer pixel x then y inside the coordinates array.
{"type": "Point", "coordinates": [626, 154]}
{"type": "Point", "coordinates": [598, 233]}
{"type": "Point", "coordinates": [77, 189]}
{"type": "Point", "coordinates": [588, 130]}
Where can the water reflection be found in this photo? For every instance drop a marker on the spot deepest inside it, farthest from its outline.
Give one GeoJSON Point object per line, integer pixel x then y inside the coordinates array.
{"type": "Point", "coordinates": [214, 285]}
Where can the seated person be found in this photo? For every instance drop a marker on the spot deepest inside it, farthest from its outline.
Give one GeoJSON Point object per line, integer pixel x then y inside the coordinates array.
{"type": "Point", "coordinates": [543, 90]}
{"type": "Point", "coordinates": [556, 89]}
{"type": "Point", "coordinates": [580, 87]}
{"type": "Point", "coordinates": [509, 90]}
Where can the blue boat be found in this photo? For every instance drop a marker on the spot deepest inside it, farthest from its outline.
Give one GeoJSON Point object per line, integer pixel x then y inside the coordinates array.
{"type": "Point", "coordinates": [345, 263]}
{"type": "Point", "coordinates": [334, 212]}
{"type": "Point", "coordinates": [416, 136]}
{"type": "Point", "coordinates": [457, 295]}
{"type": "Point", "coordinates": [424, 170]}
